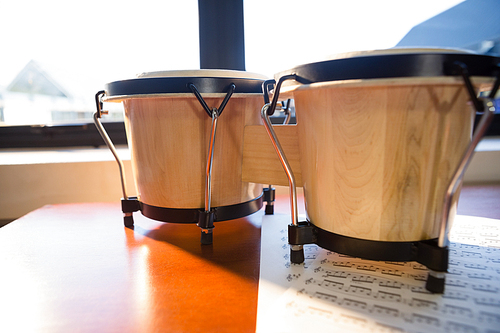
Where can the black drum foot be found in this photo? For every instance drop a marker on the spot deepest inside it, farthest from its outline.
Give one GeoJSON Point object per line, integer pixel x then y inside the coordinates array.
{"type": "Point", "coordinates": [128, 220]}
{"type": "Point", "coordinates": [206, 224]}
{"type": "Point", "coordinates": [129, 206]}
{"type": "Point", "coordinates": [296, 254]}
{"type": "Point", "coordinates": [207, 237]}
{"type": "Point", "coordinates": [435, 282]}
{"type": "Point", "coordinates": [269, 197]}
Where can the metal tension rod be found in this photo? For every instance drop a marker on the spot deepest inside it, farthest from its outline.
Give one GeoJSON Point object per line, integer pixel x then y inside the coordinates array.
{"type": "Point", "coordinates": [207, 217]}
{"type": "Point", "coordinates": [107, 140]}
{"type": "Point", "coordinates": [486, 106]}
{"type": "Point", "coordinates": [266, 111]}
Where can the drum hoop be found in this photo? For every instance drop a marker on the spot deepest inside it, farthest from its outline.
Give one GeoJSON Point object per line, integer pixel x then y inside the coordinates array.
{"type": "Point", "coordinates": [425, 252]}
{"type": "Point", "coordinates": [190, 215]}
{"type": "Point", "coordinates": [179, 85]}
{"type": "Point", "coordinates": [388, 66]}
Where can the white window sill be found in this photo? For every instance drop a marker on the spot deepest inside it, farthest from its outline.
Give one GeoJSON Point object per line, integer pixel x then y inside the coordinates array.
{"type": "Point", "coordinates": [32, 178]}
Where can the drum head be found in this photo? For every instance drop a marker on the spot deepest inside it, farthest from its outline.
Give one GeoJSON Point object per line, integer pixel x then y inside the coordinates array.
{"type": "Point", "coordinates": [207, 73]}
{"type": "Point", "coordinates": [394, 63]}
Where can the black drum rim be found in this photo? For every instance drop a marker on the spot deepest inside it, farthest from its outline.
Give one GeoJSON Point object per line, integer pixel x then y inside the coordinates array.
{"type": "Point", "coordinates": [400, 65]}
{"type": "Point", "coordinates": [180, 85]}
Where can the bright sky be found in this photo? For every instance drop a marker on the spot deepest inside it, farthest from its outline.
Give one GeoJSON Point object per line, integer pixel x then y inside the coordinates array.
{"type": "Point", "coordinates": [93, 42]}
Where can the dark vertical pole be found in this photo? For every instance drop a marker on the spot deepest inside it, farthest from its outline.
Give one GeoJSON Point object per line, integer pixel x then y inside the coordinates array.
{"type": "Point", "coordinates": [222, 43]}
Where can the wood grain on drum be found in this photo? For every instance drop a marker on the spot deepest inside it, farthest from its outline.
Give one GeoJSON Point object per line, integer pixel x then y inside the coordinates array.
{"type": "Point", "coordinates": [376, 161]}
{"type": "Point", "coordinates": [260, 161]}
{"type": "Point", "coordinates": [169, 139]}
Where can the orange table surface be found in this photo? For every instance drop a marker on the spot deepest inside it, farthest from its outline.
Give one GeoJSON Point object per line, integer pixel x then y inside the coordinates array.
{"type": "Point", "coordinates": [76, 268]}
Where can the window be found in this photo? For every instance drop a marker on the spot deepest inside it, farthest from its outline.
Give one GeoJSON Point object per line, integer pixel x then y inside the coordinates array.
{"type": "Point", "coordinates": [57, 55]}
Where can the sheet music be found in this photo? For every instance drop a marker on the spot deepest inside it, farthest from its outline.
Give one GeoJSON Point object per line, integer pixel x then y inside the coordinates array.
{"type": "Point", "coordinates": [333, 292]}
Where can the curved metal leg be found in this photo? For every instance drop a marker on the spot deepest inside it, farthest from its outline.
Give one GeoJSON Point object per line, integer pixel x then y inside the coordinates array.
{"type": "Point", "coordinates": [206, 222]}
{"type": "Point", "coordinates": [207, 217]}
{"type": "Point", "coordinates": [296, 250]}
{"type": "Point", "coordinates": [128, 218]}
{"type": "Point", "coordinates": [436, 280]}
{"type": "Point", "coordinates": [270, 192]}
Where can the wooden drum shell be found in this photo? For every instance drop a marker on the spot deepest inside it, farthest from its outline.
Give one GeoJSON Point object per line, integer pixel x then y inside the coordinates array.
{"type": "Point", "coordinates": [376, 159]}
{"type": "Point", "coordinates": [169, 138]}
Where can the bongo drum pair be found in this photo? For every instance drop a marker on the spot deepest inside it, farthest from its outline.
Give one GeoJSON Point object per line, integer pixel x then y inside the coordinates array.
{"type": "Point", "coordinates": [380, 147]}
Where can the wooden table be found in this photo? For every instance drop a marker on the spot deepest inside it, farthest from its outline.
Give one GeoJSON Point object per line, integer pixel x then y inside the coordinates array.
{"type": "Point", "coordinates": [75, 268]}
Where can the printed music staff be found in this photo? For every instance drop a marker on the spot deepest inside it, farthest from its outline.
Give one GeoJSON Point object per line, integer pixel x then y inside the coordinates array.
{"type": "Point", "coordinates": [352, 294]}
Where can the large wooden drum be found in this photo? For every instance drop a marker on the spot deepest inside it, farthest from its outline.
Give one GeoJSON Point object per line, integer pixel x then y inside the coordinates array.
{"type": "Point", "coordinates": [383, 139]}
{"type": "Point", "coordinates": [169, 125]}
{"type": "Point", "coordinates": [377, 155]}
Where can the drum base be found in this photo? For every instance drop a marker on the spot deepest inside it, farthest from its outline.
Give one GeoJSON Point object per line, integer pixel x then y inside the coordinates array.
{"type": "Point", "coordinates": [191, 215]}
{"type": "Point", "coordinates": [425, 252]}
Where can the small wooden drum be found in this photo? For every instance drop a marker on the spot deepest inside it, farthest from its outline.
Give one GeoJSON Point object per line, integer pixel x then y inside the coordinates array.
{"type": "Point", "coordinates": [380, 139]}
{"type": "Point", "coordinates": [176, 140]}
